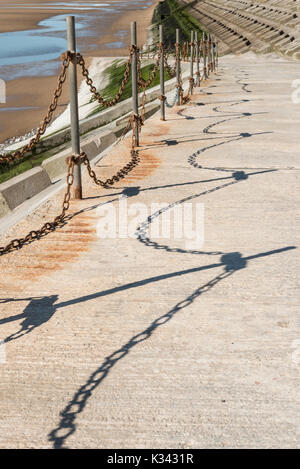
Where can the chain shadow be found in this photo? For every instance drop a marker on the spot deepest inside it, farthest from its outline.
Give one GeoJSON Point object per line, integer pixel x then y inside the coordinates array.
{"type": "Point", "coordinates": [41, 309]}
{"type": "Point", "coordinates": [131, 191]}
{"type": "Point", "coordinates": [142, 230]}
{"type": "Point", "coordinates": [30, 316]}
{"type": "Point", "coordinates": [192, 158]}
{"type": "Point", "coordinates": [231, 263]}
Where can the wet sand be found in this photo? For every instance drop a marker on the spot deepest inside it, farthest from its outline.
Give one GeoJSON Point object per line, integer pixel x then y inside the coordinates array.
{"type": "Point", "coordinates": [34, 93]}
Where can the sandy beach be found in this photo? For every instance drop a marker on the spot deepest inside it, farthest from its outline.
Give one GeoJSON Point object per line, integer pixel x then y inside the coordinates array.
{"type": "Point", "coordinates": [33, 93]}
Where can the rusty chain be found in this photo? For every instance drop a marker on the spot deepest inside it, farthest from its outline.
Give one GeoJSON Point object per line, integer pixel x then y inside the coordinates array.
{"type": "Point", "coordinates": [71, 161]}
{"type": "Point", "coordinates": [182, 99]}
{"type": "Point", "coordinates": [184, 51]}
{"type": "Point", "coordinates": [167, 51]}
{"type": "Point", "coordinates": [171, 71]}
{"type": "Point", "coordinates": [146, 83]}
{"type": "Point", "coordinates": [119, 175]}
{"type": "Point", "coordinates": [66, 58]}
{"type": "Point", "coordinates": [133, 121]}
{"type": "Point", "coordinates": [18, 154]}
{"type": "Point", "coordinates": [143, 110]}
{"type": "Point", "coordinates": [59, 220]}
{"type": "Point", "coordinates": [177, 62]}
{"type": "Point", "coordinates": [49, 226]}
{"type": "Point", "coordinates": [93, 90]}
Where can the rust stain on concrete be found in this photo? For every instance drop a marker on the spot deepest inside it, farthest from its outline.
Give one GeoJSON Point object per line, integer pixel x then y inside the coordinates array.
{"type": "Point", "coordinates": [53, 251]}
{"type": "Point", "coordinates": [49, 254]}
{"type": "Point", "coordinates": [148, 164]}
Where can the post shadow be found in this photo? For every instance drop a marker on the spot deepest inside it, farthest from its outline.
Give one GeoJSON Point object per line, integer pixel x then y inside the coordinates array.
{"type": "Point", "coordinates": [36, 313]}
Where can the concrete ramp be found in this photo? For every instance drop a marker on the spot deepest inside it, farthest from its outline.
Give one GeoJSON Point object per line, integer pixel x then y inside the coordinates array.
{"type": "Point", "coordinates": [165, 340]}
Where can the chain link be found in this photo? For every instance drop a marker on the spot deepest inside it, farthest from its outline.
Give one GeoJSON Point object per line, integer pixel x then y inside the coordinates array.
{"type": "Point", "coordinates": [171, 71]}
{"type": "Point", "coordinates": [93, 90]}
{"type": "Point", "coordinates": [49, 226]}
{"type": "Point", "coordinates": [146, 83]}
{"type": "Point", "coordinates": [133, 121]}
{"type": "Point", "coordinates": [7, 158]}
{"type": "Point", "coordinates": [119, 175]}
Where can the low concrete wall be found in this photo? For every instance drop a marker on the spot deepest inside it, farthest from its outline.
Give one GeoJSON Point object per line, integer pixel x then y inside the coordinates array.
{"type": "Point", "coordinates": [95, 143]}
{"type": "Point", "coordinates": [4, 208]}
{"type": "Point", "coordinates": [23, 187]}
{"type": "Point", "coordinates": [92, 146]}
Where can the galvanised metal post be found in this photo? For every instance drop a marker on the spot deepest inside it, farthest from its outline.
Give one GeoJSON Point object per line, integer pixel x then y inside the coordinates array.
{"type": "Point", "coordinates": [76, 190]}
{"type": "Point", "coordinates": [212, 53]}
{"type": "Point", "coordinates": [178, 66]}
{"type": "Point", "coordinates": [197, 59]}
{"type": "Point", "coordinates": [134, 78]}
{"type": "Point", "coordinates": [209, 54]}
{"type": "Point", "coordinates": [192, 60]}
{"type": "Point", "coordinates": [162, 74]}
{"type": "Point", "coordinates": [204, 55]}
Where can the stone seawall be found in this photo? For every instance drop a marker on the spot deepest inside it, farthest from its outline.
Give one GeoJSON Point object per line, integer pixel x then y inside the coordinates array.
{"type": "Point", "coordinates": [246, 25]}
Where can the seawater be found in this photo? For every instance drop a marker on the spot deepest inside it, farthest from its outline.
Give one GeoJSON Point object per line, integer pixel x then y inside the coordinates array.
{"type": "Point", "coordinates": [36, 52]}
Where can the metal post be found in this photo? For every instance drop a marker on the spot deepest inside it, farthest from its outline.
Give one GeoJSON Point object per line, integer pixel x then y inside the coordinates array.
{"type": "Point", "coordinates": [192, 61]}
{"type": "Point", "coordinates": [161, 8]}
{"type": "Point", "coordinates": [134, 73]}
{"type": "Point", "coordinates": [178, 67]}
{"type": "Point", "coordinates": [76, 190]}
{"type": "Point", "coordinates": [204, 55]}
{"type": "Point", "coordinates": [209, 55]}
{"type": "Point", "coordinates": [162, 74]}
{"type": "Point", "coordinates": [197, 59]}
{"type": "Point", "coordinates": [212, 54]}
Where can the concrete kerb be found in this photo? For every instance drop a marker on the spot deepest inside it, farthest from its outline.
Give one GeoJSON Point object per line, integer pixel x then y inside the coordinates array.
{"type": "Point", "coordinates": [19, 189]}
{"type": "Point", "coordinates": [4, 208]}
{"type": "Point", "coordinates": [23, 188]}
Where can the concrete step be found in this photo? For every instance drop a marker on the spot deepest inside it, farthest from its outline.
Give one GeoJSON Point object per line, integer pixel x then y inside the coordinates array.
{"type": "Point", "coordinates": [262, 26]}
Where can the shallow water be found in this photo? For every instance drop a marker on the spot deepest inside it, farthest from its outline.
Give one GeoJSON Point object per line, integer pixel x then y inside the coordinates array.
{"type": "Point", "coordinates": [59, 6]}
{"type": "Point", "coordinates": [36, 51]}
{"type": "Point", "coordinates": [22, 108]}
{"type": "Point", "coordinates": [44, 43]}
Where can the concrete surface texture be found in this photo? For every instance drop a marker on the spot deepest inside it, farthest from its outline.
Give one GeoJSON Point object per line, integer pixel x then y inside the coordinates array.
{"type": "Point", "coordinates": [146, 342]}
